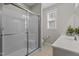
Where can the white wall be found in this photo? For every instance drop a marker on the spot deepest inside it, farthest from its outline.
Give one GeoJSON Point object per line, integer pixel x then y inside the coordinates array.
{"type": "Point", "coordinates": [46, 5]}
{"type": "Point", "coordinates": [64, 18]}
{"type": "Point", "coordinates": [36, 9]}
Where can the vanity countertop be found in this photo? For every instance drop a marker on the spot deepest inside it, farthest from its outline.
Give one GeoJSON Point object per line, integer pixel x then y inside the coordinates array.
{"type": "Point", "coordinates": [67, 43]}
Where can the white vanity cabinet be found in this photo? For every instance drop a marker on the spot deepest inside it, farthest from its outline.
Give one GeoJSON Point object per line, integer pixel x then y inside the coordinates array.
{"type": "Point", "coordinates": [66, 46]}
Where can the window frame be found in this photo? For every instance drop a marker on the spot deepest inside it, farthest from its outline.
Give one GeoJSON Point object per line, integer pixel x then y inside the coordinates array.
{"type": "Point", "coordinates": [54, 11]}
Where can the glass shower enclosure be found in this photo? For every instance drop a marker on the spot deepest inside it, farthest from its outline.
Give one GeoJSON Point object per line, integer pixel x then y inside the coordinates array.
{"type": "Point", "coordinates": [32, 33]}
{"type": "Point", "coordinates": [19, 31]}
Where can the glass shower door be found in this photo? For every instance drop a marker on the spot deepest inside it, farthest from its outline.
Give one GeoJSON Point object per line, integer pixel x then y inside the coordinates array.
{"type": "Point", "coordinates": [20, 31]}
{"type": "Point", "coordinates": [0, 30]}
{"type": "Point", "coordinates": [32, 33]}
{"type": "Point", "coordinates": [14, 32]}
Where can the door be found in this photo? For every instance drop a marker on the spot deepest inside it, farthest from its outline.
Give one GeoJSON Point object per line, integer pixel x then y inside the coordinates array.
{"type": "Point", "coordinates": [14, 23]}
{"type": "Point", "coordinates": [32, 33]}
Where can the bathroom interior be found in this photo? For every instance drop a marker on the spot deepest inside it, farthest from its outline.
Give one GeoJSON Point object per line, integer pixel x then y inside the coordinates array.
{"type": "Point", "coordinates": [39, 29]}
{"type": "Point", "coordinates": [60, 28]}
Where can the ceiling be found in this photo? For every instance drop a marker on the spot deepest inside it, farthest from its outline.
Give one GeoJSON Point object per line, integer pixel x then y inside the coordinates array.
{"type": "Point", "coordinates": [46, 5]}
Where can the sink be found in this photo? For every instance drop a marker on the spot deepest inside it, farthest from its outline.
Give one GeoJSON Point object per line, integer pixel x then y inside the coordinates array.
{"type": "Point", "coordinates": [72, 38]}
{"type": "Point", "coordinates": [66, 45]}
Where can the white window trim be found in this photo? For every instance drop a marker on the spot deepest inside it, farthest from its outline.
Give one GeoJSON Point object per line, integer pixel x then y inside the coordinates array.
{"type": "Point", "coordinates": [52, 11]}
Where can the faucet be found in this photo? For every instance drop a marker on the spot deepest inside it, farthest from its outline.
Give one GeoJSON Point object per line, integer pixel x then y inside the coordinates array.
{"type": "Point", "coordinates": [75, 37]}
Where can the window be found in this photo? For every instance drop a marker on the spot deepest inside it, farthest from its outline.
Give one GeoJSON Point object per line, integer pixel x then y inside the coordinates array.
{"type": "Point", "coordinates": [51, 17]}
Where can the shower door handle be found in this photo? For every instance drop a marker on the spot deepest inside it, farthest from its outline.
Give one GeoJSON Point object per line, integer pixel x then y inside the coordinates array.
{"type": "Point", "coordinates": [27, 43]}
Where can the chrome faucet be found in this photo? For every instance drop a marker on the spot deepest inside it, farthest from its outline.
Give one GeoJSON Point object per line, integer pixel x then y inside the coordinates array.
{"type": "Point", "coordinates": [75, 37]}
